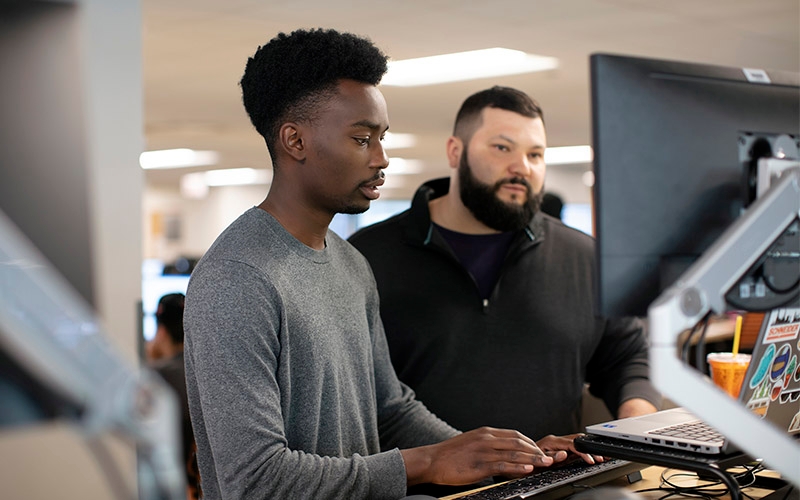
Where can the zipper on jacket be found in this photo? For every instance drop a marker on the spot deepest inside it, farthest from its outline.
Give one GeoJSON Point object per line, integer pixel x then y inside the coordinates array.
{"type": "Point", "coordinates": [429, 243]}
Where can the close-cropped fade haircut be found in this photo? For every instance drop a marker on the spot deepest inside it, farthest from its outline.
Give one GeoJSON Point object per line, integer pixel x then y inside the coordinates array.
{"type": "Point", "coordinates": [469, 116]}
{"type": "Point", "coordinates": [292, 75]}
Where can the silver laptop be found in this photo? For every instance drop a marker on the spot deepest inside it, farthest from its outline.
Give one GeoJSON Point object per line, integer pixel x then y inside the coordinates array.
{"type": "Point", "coordinates": [771, 388]}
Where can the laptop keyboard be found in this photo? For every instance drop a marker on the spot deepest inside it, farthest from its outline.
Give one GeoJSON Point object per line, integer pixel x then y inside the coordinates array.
{"type": "Point", "coordinates": [558, 482]}
{"type": "Point", "coordinates": [697, 430]}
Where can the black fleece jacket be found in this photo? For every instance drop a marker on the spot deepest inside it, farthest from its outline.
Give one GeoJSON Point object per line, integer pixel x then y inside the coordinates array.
{"type": "Point", "coordinates": [519, 359]}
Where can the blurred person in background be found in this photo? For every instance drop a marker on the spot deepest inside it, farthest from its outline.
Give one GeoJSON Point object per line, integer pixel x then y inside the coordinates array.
{"type": "Point", "coordinates": [165, 356]}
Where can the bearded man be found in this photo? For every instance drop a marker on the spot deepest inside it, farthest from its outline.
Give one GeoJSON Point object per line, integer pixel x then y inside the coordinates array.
{"type": "Point", "coordinates": [487, 302]}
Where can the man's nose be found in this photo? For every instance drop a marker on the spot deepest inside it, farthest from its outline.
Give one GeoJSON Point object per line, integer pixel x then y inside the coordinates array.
{"type": "Point", "coordinates": [521, 165]}
{"type": "Point", "coordinates": [380, 158]}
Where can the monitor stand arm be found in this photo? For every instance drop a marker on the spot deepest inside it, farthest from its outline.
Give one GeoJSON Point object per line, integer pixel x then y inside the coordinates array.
{"type": "Point", "coordinates": [54, 336]}
{"type": "Point", "coordinates": [702, 289]}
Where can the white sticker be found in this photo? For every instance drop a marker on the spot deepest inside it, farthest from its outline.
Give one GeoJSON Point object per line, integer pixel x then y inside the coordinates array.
{"type": "Point", "coordinates": [756, 75]}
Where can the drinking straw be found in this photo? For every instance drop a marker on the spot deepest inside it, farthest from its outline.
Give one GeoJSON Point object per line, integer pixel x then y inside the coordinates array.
{"type": "Point", "coordinates": [737, 333]}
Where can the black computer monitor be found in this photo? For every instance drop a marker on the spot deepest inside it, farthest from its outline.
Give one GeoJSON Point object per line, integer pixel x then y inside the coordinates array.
{"type": "Point", "coordinates": [674, 147]}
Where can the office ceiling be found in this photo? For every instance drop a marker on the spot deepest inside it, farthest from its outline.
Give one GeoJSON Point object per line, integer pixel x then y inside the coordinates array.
{"type": "Point", "coordinates": [195, 50]}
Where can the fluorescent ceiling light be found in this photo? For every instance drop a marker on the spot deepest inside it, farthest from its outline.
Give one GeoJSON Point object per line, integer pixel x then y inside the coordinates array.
{"type": "Point", "coordinates": [404, 166]}
{"type": "Point", "coordinates": [237, 177]}
{"type": "Point", "coordinates": [394, 140]}
{"type": "Point", "coordinates": [588, 178]}
{"type": "Point", "coordinates": [460, 66]}
{"type": "Point", "coordinates": [568, 154]}
{"type": "Point", "coordinates": [193, 186]}
{"type": "Point", "coordinates": [196, 184]}
{"type": "Point", "coordinates": [177, 158]}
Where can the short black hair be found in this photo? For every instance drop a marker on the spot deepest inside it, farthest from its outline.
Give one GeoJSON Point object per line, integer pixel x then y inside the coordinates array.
{"type": "Point", "coordinates": [552, 204]}
{"type": "Point", "coordinates": [170, 315]}
{"type": "Point", "coordinates": [505, 98]}
{"type": "Point", "coordinates": [289, 77]}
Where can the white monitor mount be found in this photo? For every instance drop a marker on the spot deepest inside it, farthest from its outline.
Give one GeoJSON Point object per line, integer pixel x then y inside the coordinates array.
{"type": "Point", "coordinates": [708, 286]}
{"type": "Point", "coordinates": [51, 333]}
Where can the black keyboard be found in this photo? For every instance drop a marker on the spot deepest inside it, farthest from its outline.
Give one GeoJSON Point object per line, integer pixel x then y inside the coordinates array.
{"type": "Point", "coordinates": [559, 481]}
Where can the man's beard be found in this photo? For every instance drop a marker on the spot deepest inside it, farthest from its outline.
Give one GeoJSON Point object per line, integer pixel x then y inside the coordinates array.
{"type": "Point", "coordinates": [482, 200]}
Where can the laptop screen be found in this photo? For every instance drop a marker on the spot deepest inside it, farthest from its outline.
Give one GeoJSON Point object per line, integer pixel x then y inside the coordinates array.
{"type": "Point", "coordinates": [771, 387]}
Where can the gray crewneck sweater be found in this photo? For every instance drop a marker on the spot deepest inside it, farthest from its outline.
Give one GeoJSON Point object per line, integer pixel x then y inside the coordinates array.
{"type": "Point", "coordinates": [291, 390]}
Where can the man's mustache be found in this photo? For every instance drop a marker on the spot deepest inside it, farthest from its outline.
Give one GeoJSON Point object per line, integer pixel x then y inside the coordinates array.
{"type": "Point", "coordinates": [513, 180]}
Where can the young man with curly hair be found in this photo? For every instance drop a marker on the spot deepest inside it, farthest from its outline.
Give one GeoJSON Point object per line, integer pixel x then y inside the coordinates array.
{"type": "Point", "coordinates": [291, 389]}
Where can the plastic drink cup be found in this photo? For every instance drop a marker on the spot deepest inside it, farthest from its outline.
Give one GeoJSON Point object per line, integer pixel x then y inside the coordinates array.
{"type": "Point", "coordinates": [727, 370]}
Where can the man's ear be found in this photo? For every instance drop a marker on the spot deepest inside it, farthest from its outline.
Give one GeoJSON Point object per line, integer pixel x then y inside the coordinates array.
{"type": "Point", "coordinates": [455, 146]}
{"type": "Point", "coordinates": [291, 141]}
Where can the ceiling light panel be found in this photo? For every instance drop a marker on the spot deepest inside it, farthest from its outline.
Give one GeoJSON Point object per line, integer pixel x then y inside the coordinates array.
{"type": "Point", "coordinates": [568, 154]}
{"type": "Point", "coordinates": [471, 65]}
{"type": "Point", "coordinates": [177, 158]}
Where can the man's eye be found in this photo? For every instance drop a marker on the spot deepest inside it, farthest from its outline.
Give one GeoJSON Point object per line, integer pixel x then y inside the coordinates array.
{"type": "Point", "coordinates": [501, 147]}
{"type": "Point", "coordinates": [363, 141]}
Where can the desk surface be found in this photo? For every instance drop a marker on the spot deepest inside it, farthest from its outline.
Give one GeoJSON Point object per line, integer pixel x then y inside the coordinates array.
{"type": "Point", "coordinates": [651, 479]}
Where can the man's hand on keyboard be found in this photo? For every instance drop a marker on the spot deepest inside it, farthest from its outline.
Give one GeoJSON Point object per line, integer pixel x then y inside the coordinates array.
{"type": "Point", "coordinates": [473, 456]}
{"type": "Point", "coordinates": [559, 447]}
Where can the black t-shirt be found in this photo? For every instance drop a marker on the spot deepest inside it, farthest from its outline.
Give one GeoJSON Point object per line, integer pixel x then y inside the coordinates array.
{"type": "Point", "coordinates": [480, 254]}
